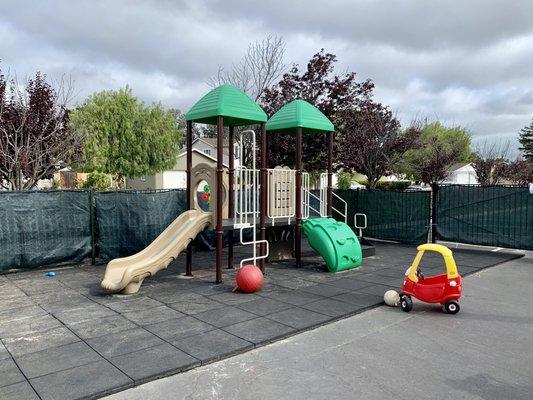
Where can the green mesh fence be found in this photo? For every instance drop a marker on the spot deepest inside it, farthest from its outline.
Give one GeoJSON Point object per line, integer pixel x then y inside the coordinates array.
{"type": "Point", "coordinates": [39, 228]}
{"type": "Point", "coordinates": [47, 227]}
{"type": "Point", "coordinates": [130, 221]}
{"type": "Point", "coordinates": [492, 216]}
{"type": "Point", "coordinates": [391, 215]}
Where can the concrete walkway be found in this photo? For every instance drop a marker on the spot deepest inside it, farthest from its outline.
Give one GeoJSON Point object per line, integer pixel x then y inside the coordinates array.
{"type": "Point", "coordinates": [484, 352]}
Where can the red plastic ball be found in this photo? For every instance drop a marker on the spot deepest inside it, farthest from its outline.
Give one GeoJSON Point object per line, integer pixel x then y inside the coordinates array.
{"type": "Point", "coordinates": [249, 279]}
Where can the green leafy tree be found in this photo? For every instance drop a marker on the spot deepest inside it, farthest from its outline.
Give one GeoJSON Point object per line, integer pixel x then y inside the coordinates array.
{"type": "Point", "coordinates": [439, 147]}
{"type": "Point", "coordinates": [97, 181]}
{"type": "Point", "coordinates": [124, 137]}
{"type": "Point", "coordinates": [526, 140]}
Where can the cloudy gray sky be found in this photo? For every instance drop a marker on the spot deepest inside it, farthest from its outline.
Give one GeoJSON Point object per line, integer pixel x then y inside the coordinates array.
{"type": "Point", "coordinates": [466, 62]}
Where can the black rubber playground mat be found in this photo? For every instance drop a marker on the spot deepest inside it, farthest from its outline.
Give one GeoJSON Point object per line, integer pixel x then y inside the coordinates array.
{"type": "Point", "coordinates": [57, 331]}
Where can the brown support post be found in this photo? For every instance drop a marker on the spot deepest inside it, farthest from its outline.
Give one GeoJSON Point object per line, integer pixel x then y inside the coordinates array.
{"type": "Point", "coordinates": [263, 195]}
{"type": "Point", "coordinates": [220, 171]}
{"type": "Point", "coordinates": [188, 265]}
{"type": "Point", "coordinates": [330, 175]}
{"type": "Point", "coordinates": [298, 227]}
{"type": "Point", "coordinates": [231, 196]}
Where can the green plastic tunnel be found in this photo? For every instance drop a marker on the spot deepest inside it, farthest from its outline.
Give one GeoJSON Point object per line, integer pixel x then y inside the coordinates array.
{"type": "Point", "coordinates": [335, 242]}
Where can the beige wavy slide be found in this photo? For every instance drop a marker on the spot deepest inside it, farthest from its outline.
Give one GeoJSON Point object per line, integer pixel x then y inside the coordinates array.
{"type": "Point", "coordinates": [125, 275]}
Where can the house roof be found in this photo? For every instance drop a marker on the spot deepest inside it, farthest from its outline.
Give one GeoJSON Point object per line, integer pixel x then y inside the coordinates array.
{"type": "Point", "coordinates": [227, 101]}
{"type": "Point", "coordinates": [299, 114]}
{"type": "Point", "coordinates": [212, 141]}
{"type": "Point", "coordinates": [203, 155]}
{"type": "Point", "coordinates": [456, 166]}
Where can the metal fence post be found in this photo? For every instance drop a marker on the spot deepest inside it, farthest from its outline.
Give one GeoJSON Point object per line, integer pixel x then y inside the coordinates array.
{"type": "Point", "coordinates": [92, 211]}
{"type": "Point", "coordinates": [434, 196]}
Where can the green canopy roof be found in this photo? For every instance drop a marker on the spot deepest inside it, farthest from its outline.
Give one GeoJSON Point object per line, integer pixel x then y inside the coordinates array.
{"type": "Point", "coordinates": [299, 114]}
{"type": "Point", "coordinates": [229, 102]}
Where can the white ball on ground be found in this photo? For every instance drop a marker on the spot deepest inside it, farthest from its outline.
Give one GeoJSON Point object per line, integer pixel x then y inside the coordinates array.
{"type": "Point", "coordinates": [391, 298]}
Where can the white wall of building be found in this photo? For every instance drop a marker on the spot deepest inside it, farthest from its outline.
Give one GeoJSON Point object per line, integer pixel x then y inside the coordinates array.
{"type": "Point", "coordinates": [465, 175]}
{"type": "Point", "coordinates": [174, 180]}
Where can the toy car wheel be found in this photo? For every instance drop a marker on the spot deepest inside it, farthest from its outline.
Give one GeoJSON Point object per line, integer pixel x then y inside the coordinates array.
{"type": "Point", "coordinates": [452, 307]}
{"type": "Point", "coordinates": [406, 303]}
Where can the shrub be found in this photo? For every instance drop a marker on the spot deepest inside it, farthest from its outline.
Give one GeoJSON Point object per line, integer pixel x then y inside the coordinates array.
{"type": "Point", "coordinates": [393, 185]}
{"type": "Point", "coordinates": [97, 181]}
{"type": "Point", "coordinates": [344, 180]}
{"type": "Point", "coordinates": [388, 185]}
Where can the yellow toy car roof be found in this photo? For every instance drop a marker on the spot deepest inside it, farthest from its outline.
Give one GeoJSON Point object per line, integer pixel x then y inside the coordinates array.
{"type": "Point", "coordinates": [449, 261]}
{"type": "Point", "coordinates": [439, 248]}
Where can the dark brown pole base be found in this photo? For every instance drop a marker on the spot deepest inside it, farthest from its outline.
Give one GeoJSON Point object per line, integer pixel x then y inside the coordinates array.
{"type": "Point", "coordinates": [188, 264]}
{"type": "Point", "coordinates": [220, 172]}
{"type": "Point", "coordinates": [298, 226]}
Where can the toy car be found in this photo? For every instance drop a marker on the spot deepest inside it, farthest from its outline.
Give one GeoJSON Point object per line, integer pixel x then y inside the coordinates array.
{"type": "Point", "coordinates": [444, 289]}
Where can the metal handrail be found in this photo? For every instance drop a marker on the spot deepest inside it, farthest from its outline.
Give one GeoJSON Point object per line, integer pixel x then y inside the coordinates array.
{"type": "Point", "coordinates": [308, 205]}
{"type": "Point", "coordinates": [323, 199]}
{"type": "Point", "coordinates": [360, 227]}
{"type": "Point", "coordinates": [345, 214]}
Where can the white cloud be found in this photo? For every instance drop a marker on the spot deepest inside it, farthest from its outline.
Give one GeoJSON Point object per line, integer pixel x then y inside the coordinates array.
{"type": "Point", "coordinates": [467, 63]}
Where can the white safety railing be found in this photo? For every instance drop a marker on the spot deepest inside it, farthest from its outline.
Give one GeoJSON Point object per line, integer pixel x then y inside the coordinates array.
{"type": "Point", "coordinates": [307, 195]}
{"type": "Point", "coordinates": [246, 196]}
{"type": "Point", "coordinates": [247, 200]}
{"type": "Point", "coordinates": [343, 214]}
{"type": "Point", "coordinates": [324, 199]}
{"type": "Point", "coordinates": [323, 193]}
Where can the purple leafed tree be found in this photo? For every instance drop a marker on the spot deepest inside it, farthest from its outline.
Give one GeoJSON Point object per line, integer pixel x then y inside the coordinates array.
{"type": "Point", "coordinates": [371, 141]}
{"type": "Point", "coordinates": [519, 172]}
{"type": "Point", "coordinates": [35, 140]}
{"type": "Point", "coordinates": [320, 86]}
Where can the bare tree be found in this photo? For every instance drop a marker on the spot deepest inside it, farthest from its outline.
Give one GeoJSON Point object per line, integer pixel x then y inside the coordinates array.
{"type": "Point", "coordinates": [261, 65]}
{"type": "Point", "coordinates": [35, 140]}
{"type": "Point", "coordinates": [259, 68]}
{"type": "Point", "coordinates": [490, 160]}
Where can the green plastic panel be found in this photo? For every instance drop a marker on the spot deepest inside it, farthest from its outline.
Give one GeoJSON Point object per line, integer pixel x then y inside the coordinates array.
{"type": "Point", "coordinates": [335, 242]}
{"type": "Point", "coordinates": [299, 114]}
{"type": "Point", "coordinates": [229, 102]}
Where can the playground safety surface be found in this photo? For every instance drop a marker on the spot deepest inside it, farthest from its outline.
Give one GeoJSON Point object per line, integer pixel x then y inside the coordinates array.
{"type": "Point", "coordinates": [62, 338]}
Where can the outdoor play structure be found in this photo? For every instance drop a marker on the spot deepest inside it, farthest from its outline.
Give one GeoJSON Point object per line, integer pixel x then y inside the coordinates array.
{"type": "Point", "coordinates": [246, 195]}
